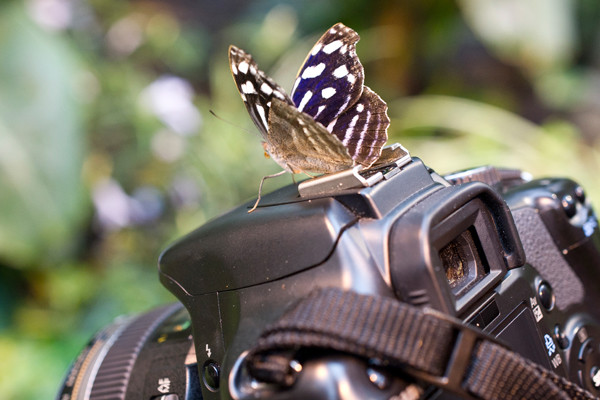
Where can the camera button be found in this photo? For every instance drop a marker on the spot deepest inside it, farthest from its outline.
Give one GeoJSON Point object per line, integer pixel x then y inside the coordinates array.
{"type": "Point", "coordinates": [546, 295]}
{"type": "Point", "coordinates": [569, 205]}
{"type": "Point", "coordinates": [580, 194]}
{"type": "Point", "coordinates": [560, 337]}
{"type": "Point", "coordinates": [595, 376]}
{"type": "Point", "coordinates": [210, 375]}
{"type": "Point", "coordinates": [586, 352]}
{"type": "Point", "coordinates": [378, 378]}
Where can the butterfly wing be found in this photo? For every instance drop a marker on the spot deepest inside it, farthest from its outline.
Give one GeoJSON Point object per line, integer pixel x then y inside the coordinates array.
{"type": "Point", "coordinates": [329, 87]}
{"type": "Point", "coordinates": [331, 78]}
{"type": "Point", "coordinates": [298, 143]}
{"type": "Point", "coordinates": [256, 88]}
{"type": "Point", "coordinates": [363, 128]}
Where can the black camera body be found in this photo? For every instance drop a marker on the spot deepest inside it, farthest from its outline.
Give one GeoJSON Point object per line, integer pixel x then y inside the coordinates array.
{"type": "Point", "coordinates": [519, 260]}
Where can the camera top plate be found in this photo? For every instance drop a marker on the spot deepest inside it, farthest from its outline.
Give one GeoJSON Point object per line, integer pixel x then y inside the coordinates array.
{"type": "Point", "coordinates": [226, 253]}
{"type": "Point", "coordinates": [393, 158]}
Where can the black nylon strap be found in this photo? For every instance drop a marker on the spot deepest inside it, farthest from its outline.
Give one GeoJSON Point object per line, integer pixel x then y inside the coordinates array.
{"type": "Point", "coordinates": [402, 336]}
{"type": "Point", "coordinates": [363, 325]}
{"type": "Point", "coordinates": [497, 371]}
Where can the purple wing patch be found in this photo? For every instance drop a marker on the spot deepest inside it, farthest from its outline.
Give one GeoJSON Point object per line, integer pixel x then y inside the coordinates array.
{"type": "Point", "coordinates": [331, 79]}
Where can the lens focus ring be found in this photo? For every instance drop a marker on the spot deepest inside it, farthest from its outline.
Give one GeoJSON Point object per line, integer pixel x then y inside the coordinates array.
{"type": "Point", "coordinates": [103, 369]}
{"type": "Point", "coordinates": [114, 373]}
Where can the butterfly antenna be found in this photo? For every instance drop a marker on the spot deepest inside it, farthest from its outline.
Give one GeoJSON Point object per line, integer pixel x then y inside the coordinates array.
{"type": "Point", "coordinates": [261, 185]}
{"type": "Point", "coordinates": [231, 123]}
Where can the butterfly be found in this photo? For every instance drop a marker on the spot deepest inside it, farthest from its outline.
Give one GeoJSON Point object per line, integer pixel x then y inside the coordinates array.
{"type": "Point", "coordinates": [329, 123]}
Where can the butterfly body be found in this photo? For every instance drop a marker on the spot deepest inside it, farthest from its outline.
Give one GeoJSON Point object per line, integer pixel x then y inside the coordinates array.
{"type": "Point", "coordinates": [330, 122]}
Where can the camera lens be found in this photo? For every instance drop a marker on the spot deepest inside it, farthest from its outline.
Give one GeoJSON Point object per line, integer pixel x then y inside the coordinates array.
{"type": "Point", "coordinates": [462, 262]}
{"type": "Point", "coordinates": [130, 352]}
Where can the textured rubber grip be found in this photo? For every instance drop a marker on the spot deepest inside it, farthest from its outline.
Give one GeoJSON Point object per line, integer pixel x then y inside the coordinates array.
{"type": "Point", "coordinates": [113, 376]}
{"type": "Point", "coordinates": [545, 257]}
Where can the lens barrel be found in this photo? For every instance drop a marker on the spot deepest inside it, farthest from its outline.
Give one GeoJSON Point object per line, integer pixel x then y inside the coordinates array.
{"type": "Point", "coordinates": [105, 368]}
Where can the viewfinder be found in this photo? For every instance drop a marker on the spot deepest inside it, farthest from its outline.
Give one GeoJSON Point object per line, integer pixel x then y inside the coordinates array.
{"type": "Point", "coordinates": [462, 263]}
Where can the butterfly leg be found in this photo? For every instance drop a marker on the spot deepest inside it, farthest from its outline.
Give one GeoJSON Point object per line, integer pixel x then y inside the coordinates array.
{"type": "Point", "coordinates": [261, 185]}
{"type": "Point", "coordinates": [301, 172]}
{"type": "Point", "coordinates": [309, 175]}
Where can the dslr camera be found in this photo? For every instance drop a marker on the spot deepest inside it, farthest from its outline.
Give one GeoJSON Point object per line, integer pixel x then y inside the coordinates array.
{"type": "Point", "coordinates": [514, 258]}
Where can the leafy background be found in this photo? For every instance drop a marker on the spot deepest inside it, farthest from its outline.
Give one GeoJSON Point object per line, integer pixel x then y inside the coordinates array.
{"type": "Point", "coordinates": [108, 151]}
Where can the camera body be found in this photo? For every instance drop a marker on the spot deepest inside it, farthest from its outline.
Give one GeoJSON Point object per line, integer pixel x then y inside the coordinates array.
{"type": "Point", "coordinates": [520, 260]}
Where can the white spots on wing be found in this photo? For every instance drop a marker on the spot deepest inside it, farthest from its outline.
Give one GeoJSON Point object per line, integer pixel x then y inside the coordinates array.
{"type": "Point", "coordinates": [362, 135]}
{"type": "Point", "coordinates": [340, 71]}
{"type": "Point", "coordinates": [313, 71]}
{"type": "Point", "coordinates": [351, 78]}
{"type": "Point", "coordinates": [331, 125]}
{"type": "Point", "coordinates": [243, 67]}
{"type": "Point", "coordinates": [253, 70]}
{"type": "Point", "coordinates": [333, 46]}
{"type": "Point", "coordinates": [298, 79]}
{"type": "Point", "coordinates": [319, 110]}
{"type": "Point", "coordinates": [234, 68]}
{"type": "Point", "coordinates": [343, 49]}
{"type": "Point", "coordinates": [360, 107]}
{"type": "Point", "coordinates": [269, 104]}
{"type": "Point", "coordinates": [266, 89]}
{"type": "Point", "coordinates": [279, 95]}
{"type": "Point", "coordinates": [243, 96]}
{"type": "Point", "coordinates": [305, 100]}
{"type": "Point", "coordinates": [247, 87]}
{"type": "Point", "coordinates": [316, 49]}
{"type": "Point", "coordinates": [343, 107]}
{"type": "Point", "coordinates": [350, 130]}
{"type": "Point", "coordinates": [332, 31]}
{"type": "Point", "coordinates": [261, 112]}
{"type": "Point", "coordinates": [327, 92]}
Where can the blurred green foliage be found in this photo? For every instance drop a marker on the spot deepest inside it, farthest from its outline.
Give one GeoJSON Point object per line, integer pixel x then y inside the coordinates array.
{"type": "Point", "coordinates": [108, 150]}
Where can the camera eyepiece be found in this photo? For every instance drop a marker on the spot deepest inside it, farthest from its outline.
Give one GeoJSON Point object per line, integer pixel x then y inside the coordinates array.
{"type": "Point", "coordinates": [462, 262]}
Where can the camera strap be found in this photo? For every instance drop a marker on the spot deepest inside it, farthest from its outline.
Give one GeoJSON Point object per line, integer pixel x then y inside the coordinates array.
{"type": "Point", "coordinates": [430, 346]}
